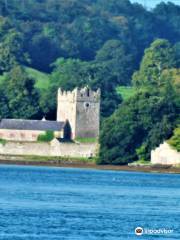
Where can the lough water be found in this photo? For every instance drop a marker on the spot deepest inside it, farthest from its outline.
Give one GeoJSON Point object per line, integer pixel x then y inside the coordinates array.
{"type": "Point", "coordinates": [77, 204]}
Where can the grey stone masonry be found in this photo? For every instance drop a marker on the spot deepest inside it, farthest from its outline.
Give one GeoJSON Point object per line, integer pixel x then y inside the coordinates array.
{"type": "Point", "coordinates": [81, 108]}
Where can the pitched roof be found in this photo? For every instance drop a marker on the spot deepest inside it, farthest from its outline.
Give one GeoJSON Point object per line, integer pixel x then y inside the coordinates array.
{"type": "Point", "coordinates": [38, 125]}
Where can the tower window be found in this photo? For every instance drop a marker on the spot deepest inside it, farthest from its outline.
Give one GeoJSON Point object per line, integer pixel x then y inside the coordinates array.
{"type": "Point", "coordinates": [87, 105]}
{"type": "Point", "coordinates": [88, 92]}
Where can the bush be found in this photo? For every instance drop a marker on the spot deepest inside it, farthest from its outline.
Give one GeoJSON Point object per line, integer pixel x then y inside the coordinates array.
{"type": "Point", "coordinates": [47, 137]}
{"type": "Point", "coordinates": [2, 141]}
{"type": "Point", "coordinates": [143, 120]}
{"type": "Point", "coordinates": [174, 141]}
{"type": "Point", "coordinates": [141, 152]}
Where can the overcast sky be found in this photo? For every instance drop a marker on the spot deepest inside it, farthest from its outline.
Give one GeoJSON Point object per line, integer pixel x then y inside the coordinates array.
{"type": "Point", "coordinates": [152, 3]}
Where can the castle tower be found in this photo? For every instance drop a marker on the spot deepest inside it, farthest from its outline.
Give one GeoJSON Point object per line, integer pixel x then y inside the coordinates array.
{"type": "Point", "coordinates": [81, 108]}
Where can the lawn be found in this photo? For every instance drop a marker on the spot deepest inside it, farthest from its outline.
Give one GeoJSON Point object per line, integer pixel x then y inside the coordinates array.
{"type": "Point", "coordinates": [126, 91]}
{"type": "Point", "coordinates": [42, 79]}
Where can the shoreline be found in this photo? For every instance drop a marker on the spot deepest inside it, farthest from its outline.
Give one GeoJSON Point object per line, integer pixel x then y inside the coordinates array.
{"type": "Point", "coordinates": [90, 165]}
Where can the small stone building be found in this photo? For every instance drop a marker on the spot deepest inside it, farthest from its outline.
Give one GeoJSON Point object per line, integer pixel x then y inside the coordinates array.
{"type": "Point", "coordinates": [78, 116]}
{"type": "Point", "coordinates": [29, 130]}
{"type": "Point", "coordinates": [165, 155]}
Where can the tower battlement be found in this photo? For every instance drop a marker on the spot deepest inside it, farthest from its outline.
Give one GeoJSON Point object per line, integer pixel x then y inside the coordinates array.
{"type": "Point", "coordinates": [66, 95]}
{"type": "Point", "coordinates": [84, 94]}
{"type": "Point", "coordinates": [81, 107]}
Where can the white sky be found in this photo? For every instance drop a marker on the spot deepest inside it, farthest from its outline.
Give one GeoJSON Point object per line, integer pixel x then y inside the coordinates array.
{"type": "Point", "coordinates": [152, 3]}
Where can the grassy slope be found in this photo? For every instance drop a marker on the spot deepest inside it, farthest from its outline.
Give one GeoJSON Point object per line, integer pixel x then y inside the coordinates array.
{"type": "Point", "coordinates": [126, 92]}
{"type": "Point", "coordinates": [42, 83]}
{"type": "Point", "coordinates": [42, 79]}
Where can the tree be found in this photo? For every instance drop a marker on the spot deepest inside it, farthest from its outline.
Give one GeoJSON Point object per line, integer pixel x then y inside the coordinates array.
{"type": "Point", "coordinates": [10, 46]}
{"type": "Point", "coordinates": [174, 141]}
{"type": "Point", "coordinates": [4, 110]}
{"type": "Point", "coordinates": [119, 62]}
{"type": "Point", "coordinates": [142, 120]}
{"type": "Point", "coordinates": [67, 74]}
{"type": "Point", "coordinates": [177, 54]}
{"type": "Point", "coordinates": [72, 73]}
{"type": "Point", "coordinates": [21, 96]}
{"type": "Point", "coordinates": [43, 50]}
{"type": "Point", "coordinates": [158, 57]}
{"type": "Point", "coordinates": [100, 78]}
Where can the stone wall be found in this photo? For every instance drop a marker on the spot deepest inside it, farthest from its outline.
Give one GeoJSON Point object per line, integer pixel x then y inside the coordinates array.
{"type": "Point", "coordinates": [19, 135]}
{"type": "Point", "coordinates": [54, 148]}
{"type": "Point", "coordinates": [165, 155]}
{"type": "Point", "coordinates": [23, 135]}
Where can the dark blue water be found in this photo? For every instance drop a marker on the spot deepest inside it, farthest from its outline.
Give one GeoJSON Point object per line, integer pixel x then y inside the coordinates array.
{"type": "Point", "coordinates": [76, 204]}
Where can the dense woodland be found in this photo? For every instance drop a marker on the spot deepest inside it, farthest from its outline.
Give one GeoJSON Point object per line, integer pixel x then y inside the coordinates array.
{"type": "Point", "coordinates": [46, 44]}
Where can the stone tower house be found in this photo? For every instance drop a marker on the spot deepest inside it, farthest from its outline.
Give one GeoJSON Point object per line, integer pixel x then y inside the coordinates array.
{"type": "Point", "coordinates": [81, 108]}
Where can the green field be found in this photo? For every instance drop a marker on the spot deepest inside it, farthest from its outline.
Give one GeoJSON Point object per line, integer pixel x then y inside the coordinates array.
{"type": "Point", "coordinates": [42, 82]}
{"type": "Point", "coordinates": [126, 92]}
{"type": "Point", "coordinates": [42, 79]}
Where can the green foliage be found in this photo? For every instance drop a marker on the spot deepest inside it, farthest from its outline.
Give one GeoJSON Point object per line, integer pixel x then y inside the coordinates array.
{"type": "Point", "coordinates": [69, 73]}
{"type": "Point", "coordinates": [19, 98]}
{"type": "Point", "coordinates": [126, 92]}
{"type": "Point", "coordinates": [177, 54]}
{"type": "Point", "coordinates": [95, 43]}
{"type": "Point", "coordinates": [42, 81]}
{"type": "Point", "coordinates": [78, 29]}
{"type": "Point", "coordinates": [4, 109]}
{"type": "Point", "coordinates": [148, 118]}
{"type": "Point", "coordinates": [72, 73]}
{"type": "Point", "coordinates": [174, 141]}
{"type": "Point", "coordinates": [86, 140]}
{"type": "Point", "coordinates": [143, 119]}
{"type": "Point", "coordinates": [47, 137]}
{"type": "Point", "coordinates": [3, 141]}
{"type": "Point", "coordinates": [158, 57]}
{"type": "Point", "coordinates": [114, 57]}
{"type": "Point", "coordinates": [11, 45]}
{"type": "Point", "coordinates": [141, 153]}
{"type": "Point", "coordinates": [54, 159]}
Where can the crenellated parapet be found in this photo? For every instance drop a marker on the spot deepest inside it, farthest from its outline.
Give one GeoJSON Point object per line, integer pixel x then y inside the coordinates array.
{"type": "Point", "coordinates": [88, 95]}
{"type": "Point", "coordinates": [69, 96]}
{"type": "Point", "coordinates": [85, 94]}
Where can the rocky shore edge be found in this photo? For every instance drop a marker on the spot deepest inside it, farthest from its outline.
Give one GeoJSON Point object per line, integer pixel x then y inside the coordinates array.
{"type": "Point", "coordinates": [84, 163]}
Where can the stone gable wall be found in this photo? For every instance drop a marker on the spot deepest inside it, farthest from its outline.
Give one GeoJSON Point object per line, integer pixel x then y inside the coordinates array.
{"type": "Point", "coordinates": [165, 155]}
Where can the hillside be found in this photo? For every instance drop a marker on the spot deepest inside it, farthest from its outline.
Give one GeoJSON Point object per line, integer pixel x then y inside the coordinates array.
{"type": "Point", "coordinates": [106, 44]}
{"type": "Point", "coordinates": [41, 78]}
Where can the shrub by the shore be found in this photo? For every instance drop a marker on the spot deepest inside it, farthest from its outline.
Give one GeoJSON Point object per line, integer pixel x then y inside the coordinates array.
{"type": "Point", "coordinates": [47, 137]}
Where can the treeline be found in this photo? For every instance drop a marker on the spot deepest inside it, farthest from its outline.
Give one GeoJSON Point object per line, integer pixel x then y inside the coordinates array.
{"type": "Point", "coordinates": [148, 118]}
{"type": "Point", "coordinates": [100, 43]}
{"type": "Point", "coordinates": [79, 28]}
